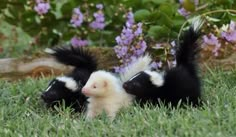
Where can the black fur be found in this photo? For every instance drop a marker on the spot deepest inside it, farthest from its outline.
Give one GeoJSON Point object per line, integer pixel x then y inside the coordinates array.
{"type": "Point", "coordinates": [180, 83]}
{"type": "Point", "coordinates": [84, 63]}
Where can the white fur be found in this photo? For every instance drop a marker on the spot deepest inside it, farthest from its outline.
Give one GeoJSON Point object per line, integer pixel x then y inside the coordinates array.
{"type": "Point", "coordinates": [155, 77]}
{"type": "Point", "coordinates": [109, 96]}
{"type": "Point", "coordinates": [49, 87]}
{"type": "Point", "coordinates": [134, 77]}
{"type": "Point", "coordinates": [141, 64]}
{"type": "Point", "coordinates": [49, 51]}
{"type": "Point", "coordinates": [70, 83]}
{"type": "Point", "coordinates": [112, 97]}
{"type": "Point", "coordinates": [197, 23]}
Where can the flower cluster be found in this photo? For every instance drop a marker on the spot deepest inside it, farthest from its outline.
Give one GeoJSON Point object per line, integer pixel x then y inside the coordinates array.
{"type": "Point", "coordinates": [130, 43]}
{"type": "Point", "coordinates": [169, 55]}
{"type": "Point", "coordinates": [77, 42]}
{"type": "Point", "coordinates": [77, 18]}
{"type": "Point", "coordinates": [184, 3]}
{"type": "Point", "coordinates": [211, 40]}
{"type": "Point", "coordinates": [41, 7]}
{"type": "Point", "coordinates": [229, 32]}
{"type": "Point", "coordinates": [225, 35]}
{"type": "Point", "coordinates": [99, 22]}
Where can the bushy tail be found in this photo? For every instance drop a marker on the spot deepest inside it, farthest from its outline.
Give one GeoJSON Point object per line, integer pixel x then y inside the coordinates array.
{"type": "Point", "coordinates": [74, 56]}
{"type": "Point", "coordinates": [188, 46]}
{"type": "Point", "coordinates": [141, 64]}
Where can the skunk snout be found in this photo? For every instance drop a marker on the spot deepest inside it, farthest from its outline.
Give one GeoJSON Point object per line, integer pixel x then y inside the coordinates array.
{"type": "Point", "coordinates": [43, 95]}
{"type": "Point", "coordinates": [49, 96]}
{"type": "Point", "coordinates": [125, 85]}
{"type": "Point", "coordinates": [84, 90]}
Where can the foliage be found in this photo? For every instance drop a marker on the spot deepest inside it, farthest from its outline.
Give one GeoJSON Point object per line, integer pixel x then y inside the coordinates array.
{"type": "Point", "coordinates": [98, 23]}
{"type": "Point", "coordinates": [23, 114]}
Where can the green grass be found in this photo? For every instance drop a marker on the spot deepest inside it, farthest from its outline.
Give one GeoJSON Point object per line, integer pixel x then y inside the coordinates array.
{"type": "Point", "coordinates": [23, 114]}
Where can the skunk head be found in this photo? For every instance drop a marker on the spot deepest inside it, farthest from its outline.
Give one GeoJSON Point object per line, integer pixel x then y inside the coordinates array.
{"type": "Point", "coordinates": [142, 82]}
{"type": "Point", "coordinates": [100, 84]}
{"type": "Point", "coordinates": [61, 88]}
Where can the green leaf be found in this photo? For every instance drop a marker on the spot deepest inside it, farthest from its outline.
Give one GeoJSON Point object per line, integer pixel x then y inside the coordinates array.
{"type": "Point", "coordinates": [141, 15]}
{"type": "Point", "coordinates": [159, 1]}
{"type": "Point", "coordinates": [165, 19]}
{"type": "Point", "coordinates": [168, 9]}
{"type": "Point", "coordinates": [155, 15]}
{"type": "Point", "coordinates": [67, 9]}
{"type": "Point", "coordinates": [158, 32]}
{"type": "Point", "coordinates": [189, 5]}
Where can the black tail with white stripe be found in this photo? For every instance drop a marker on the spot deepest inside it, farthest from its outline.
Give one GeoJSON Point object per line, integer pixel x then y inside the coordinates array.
{"type": "Point", "coordinates": [75, 56]}
{"type": "Point", "coordinates": [188, 47]}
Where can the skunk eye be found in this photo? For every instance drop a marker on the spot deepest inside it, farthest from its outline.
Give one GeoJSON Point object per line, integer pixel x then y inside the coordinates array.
{"type": "Point", "coordinates": [94, 86]}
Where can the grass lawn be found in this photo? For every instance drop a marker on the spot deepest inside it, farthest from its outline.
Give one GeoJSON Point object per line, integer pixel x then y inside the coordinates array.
{"type": "Point", "coordinates": [23, 114]}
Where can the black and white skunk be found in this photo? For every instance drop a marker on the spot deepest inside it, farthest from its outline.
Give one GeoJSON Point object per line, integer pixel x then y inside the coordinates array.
{"type": "Point", "coordinates": [180, 83]}
{"type": "Point", "coordinates": [68, 88]}
{"type": "Point", "coordinates": [105, 90]}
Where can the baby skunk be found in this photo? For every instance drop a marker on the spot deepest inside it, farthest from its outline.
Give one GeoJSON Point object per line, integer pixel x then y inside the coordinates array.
{"type": "Point", "coordinates": [68, 87]}
{"type": "Point", "coordinates": [179, 83]}
{"type": "Point", "coordinates": [105, 91]}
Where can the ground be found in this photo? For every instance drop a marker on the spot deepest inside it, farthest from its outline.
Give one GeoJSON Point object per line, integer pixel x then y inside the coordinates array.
{"type": "Point", "coordinates": [23, 114]}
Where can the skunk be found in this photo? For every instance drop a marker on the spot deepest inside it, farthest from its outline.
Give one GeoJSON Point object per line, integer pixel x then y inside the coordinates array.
{"type": "Point", "coordinates": [180, 83]}
{"type": "Point", "coordinates": [105, 90]}
{"type": "Point", "coordinates": [68, 88]}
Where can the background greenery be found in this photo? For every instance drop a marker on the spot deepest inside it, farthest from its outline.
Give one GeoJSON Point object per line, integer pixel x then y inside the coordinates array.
{"type": "Point", "coordinates": [161, 21]}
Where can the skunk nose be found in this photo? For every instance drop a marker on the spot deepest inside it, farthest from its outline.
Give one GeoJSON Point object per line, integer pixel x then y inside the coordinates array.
{"type": "Point", "coordinates": [125, 85]}
{"type": "Point", "coordinates": [84, 90]}
{"type": "Point", "coordinates": [43, 95]}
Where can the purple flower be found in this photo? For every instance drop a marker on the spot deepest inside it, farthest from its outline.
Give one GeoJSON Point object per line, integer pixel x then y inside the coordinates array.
{"type": "Point", "coordinates": [77, 18]}
{"type": "Point", "coordinates": [138, 30]}
{"type": "Point", "coordinates": [184, 12]}
{"type": "Point", "coordinates": [196, 2]}
{"type": "Point", "coordinates": [121, 51]}
{"type": "Point", "coordinates": [99, 21]}
{"type": "Point", "coordinates": [230, 34]}
{"type": "Point", "coordinates": [129, 19]}
{"type": "Point", "coordinates": [140, 48]}
{"type": "Point", "coordinates": [99, 6]}
{"type": "Point", "coordinates": [156, 65]}
{"type": "Point", "coordinates": [213, 41]}
{"type": "Point", "coordinates": [76, 42]}
{"type": "Point", "coordinates": [130, 45]}
{"type": "Point", "coordinates": [42, 8]}
{"type": "Point", "coordinates": [126, 37]}
{"type": "Point", "coordinates": [158, 46]}
{"type": "Point", "coordinates": [97, 25]}
{"type": "Point", "coordinates": [232, 26]}
{"type": "Point", "coordinates": [181, 1]}
{"type": "Point", "coordinates": [119, 69]}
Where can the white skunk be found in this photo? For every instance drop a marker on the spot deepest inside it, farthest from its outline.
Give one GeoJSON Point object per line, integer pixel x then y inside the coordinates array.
{"type": "Point", "coordinates": [105, 90]}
